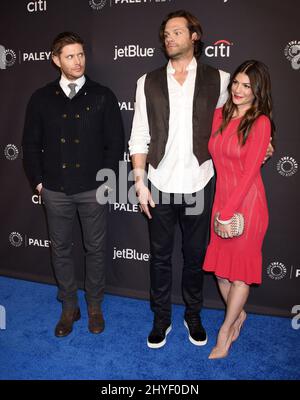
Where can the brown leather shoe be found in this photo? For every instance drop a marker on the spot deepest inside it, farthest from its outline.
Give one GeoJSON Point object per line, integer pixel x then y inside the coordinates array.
{"type": "Point", "coordinates": [96, 321]}
{"type": "Point", "coordinates": [65, 324]}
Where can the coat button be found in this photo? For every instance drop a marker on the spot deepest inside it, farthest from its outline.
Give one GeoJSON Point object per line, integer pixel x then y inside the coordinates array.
{"type": "Point", "coordinates": [64, 115]}
{"type": "Point", "coordinates": [64, 165]}
{"type": "Point", "coordinates": [77, 165]}
{"type": "Point", "coordinates": [77, 141]}
{"type": "Point", "coordinates": [63, 140]}
{"type": "Point", "coordinates": [88, 108]}
{"type": "Point", "coordinates": [77, 116]}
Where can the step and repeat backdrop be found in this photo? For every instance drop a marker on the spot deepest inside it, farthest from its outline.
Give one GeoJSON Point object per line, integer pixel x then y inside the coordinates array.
{"type": "Point", "coordinates": [121, 45]}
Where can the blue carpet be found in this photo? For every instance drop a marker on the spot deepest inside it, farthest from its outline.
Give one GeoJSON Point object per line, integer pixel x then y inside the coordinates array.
{"type": "Point", "coordinates": [268, 347]}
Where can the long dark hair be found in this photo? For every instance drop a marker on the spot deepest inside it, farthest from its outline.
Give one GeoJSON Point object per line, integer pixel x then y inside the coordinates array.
{"type": "Point", "coordinates": [262, 104]}
{"type": "Point", "coordinates": [193, 25]}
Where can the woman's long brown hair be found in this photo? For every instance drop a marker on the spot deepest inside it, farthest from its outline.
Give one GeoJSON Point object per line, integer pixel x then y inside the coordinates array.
{"type": "Point", "coordinates": [262, 104]}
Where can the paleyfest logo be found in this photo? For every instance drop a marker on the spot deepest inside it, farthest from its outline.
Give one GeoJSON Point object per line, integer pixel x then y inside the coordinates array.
{"type": "Point", "coordinates": [292, 53]}
{"type": "Point", "coordinates": [7, 57]}
{"type": "Point", "coordinates": [11, 152]}
{"type": "Point", "coordinates": [99, 4]}
{"type": "Point", "coordinates": [276, 270]}
{"type": "Point", "coordinates": [287, 166]}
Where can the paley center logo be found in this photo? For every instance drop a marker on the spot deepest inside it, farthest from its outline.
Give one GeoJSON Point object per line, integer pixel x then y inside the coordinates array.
{"type": "Point", "coordinates": [35, 56]}
{"type": "Point", "coordinates": [18, 240]}
{"type": "Point", "coordinates": [277, 271]}
{"type": "Point", "coordinates": [99, 4]}
{"type": "Point", "coordinates": [124, 207]}
{"type": "Point", "coordinates": [292, 53]}
{"type": "Point", "coordinates": [287, 166]}
{"type": "Point", "coordinates": [133, 51]}
{"type": "Point", "coordinates": [126, 106]}
{"type": "Point", "coordinates": [7, 57]}
{"type": "Point", "coordinates": [11, 152]}
{"type": "Point", "coordinates": [221, 48]}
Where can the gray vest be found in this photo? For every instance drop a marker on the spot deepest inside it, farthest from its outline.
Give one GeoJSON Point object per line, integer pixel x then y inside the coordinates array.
{"type": "Point", "coordinates": [206, 94]}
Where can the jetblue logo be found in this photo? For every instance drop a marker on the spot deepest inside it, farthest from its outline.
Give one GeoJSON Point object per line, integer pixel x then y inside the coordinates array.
{"type": "Point", "coordinates": [132, 51]}
{"type": "Point", "coordinates": [130, 254]}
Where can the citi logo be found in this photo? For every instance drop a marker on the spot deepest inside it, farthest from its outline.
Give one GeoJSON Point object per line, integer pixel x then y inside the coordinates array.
{"type": "Point", "coordinates": [7, 57]}
{"type": "Point", "coordinates": [132, 51]}
{"type": "Point", "coordinates": [126, 157]}
{"type": "Point", "coordinates": [37, 6]}
{"type": "Point", "coordinates": [37, 199]}
{"type": "Point", "coordinates": [220, 48]}
{"type": "Point", "coordinates": [130, 254]}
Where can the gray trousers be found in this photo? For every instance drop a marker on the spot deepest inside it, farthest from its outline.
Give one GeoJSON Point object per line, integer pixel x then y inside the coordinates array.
{"type": "Point", "coordinates": [61, 212]}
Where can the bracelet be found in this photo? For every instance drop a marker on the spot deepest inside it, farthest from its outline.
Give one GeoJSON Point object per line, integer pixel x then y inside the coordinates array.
{"type": "Point", "coordinates": [228, 221]}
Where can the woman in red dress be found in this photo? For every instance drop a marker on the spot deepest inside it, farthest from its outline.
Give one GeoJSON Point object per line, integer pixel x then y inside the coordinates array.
{"type": "Point", "coordinates": [240, 136]}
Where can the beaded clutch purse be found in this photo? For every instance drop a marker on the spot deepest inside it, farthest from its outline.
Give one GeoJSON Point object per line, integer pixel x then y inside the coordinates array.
{"type": "Point", "coordinates": [237, 224]}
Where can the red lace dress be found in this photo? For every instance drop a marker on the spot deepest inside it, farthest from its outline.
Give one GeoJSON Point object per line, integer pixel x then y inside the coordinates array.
{"type": "Point", "coordinates": [239, 188]}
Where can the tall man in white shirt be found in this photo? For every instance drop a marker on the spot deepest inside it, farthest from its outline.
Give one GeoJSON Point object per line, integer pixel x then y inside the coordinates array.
{"type": "Point", "coordinates": [171, 127]}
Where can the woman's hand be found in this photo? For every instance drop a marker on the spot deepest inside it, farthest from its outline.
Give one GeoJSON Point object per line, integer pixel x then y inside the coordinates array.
{"type": "Point", "coordinates": [222, 229]}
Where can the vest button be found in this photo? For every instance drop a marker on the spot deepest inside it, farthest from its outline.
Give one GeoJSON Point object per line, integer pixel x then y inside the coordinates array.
{"type": "Point", "coordinates": [64, 165]}
{"type": "Point", "coordinates": [64, 115]}
{"type": "Point", "coordinates": [77, 141]}
{"type": "Point", "coordinates": [77, 165]}
{"type": "Point", "coordinates": [63, 140]}
{"type": "Point", "coordinates": [77, 116]}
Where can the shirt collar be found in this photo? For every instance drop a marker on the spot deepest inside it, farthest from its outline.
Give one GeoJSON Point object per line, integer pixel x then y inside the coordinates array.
{"type": "Point", "coordinates": [79, 82]}
{"type": "Point", "coordinates": [192, 66]}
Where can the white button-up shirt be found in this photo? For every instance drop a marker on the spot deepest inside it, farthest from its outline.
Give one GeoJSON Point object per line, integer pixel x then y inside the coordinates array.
{"type": "Point", "coordinates": [64, 84]}
{"type": "Point", "coordinates": [179, 170]}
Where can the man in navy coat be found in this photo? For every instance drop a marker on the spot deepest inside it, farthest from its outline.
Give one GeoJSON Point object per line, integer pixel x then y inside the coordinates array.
{"type": "Point", "coordinates": [73, 129]}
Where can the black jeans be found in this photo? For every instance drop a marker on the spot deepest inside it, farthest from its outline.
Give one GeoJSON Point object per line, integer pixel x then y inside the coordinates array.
{"type": "Point", "coordinates": [61, 213]}
{"type": "Point", "coordinates": [195, 236]}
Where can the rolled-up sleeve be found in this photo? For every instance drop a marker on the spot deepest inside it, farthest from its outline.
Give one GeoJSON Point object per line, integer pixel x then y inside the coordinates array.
{"type": "Point", "coordinates": [140, 135]}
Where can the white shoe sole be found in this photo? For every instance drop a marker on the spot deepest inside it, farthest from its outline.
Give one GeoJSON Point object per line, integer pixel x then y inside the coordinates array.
{"type": "Point", "coordinates": [195, 342]}
{"type": "Point", "coordinates": [160, 344]}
